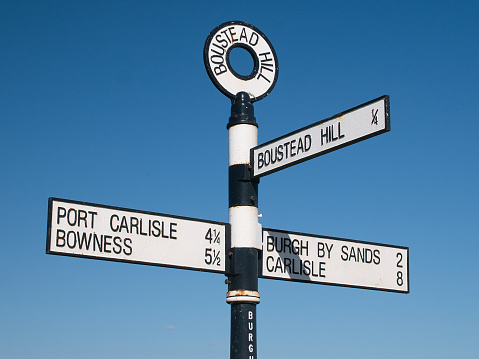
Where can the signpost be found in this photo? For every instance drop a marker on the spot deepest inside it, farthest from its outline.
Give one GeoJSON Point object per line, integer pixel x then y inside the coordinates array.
{"type": "Point", "coordinates": [309, 258]}
{"type": "Point", "coordinates": [344, 129]}
{"type": "Point", "coordinates": [239, 249]}
{"type": "Point", "coordinates": [118, 234]}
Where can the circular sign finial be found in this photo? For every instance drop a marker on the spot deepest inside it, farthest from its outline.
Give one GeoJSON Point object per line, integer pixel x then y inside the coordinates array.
{"type": "Point", "coordinates": [228, 36]}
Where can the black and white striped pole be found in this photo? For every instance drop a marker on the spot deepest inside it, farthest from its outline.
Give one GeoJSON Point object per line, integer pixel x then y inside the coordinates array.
{"type": "Point", "coordinates": [243, 292]}
{"type": "Point", "coordinates": [243, 90]}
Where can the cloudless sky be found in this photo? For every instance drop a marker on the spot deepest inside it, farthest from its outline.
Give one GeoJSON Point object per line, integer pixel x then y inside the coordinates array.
{"type": "Point", "coordinates": [109, 102]}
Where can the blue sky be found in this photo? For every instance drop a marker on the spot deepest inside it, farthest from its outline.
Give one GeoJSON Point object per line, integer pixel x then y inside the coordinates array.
{"type": "Point", "coordinates": [109, 102]}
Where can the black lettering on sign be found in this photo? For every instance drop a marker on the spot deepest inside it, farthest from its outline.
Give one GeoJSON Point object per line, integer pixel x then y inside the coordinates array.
{"type": "Point", "coordinates": [266, 65]}
{"type": "Point", "coordinates": [254, 38]}
{"type": "Point", "coordinates": [296, 266]}
{"type": "Point", "coordinates": [71, 239]}
{"type": "Point", "coordinates": [260, 160]}
{"type": "Point", "coordinates": [232, 34]}
{"type": "Point", "coordinates": [128, 250]}
{"type": "Point", "coordinates": [173, 230]}
{"type": "Point", "coordinates": [360, 255]}
{"type": "Point", "coordinates": [83, 241]}
{"type": "Point", "coordinates": [60, 242]}
{"type": "Point", "coordinates": [399, 278]}
{"type": "Point", "coordinates": [97, 242]}
{"type": "Point", "coordinates": [117, 243]}
{"type": "Point", "coordinates": [322, 269]}
{"type": "Point", "coordinates": [304, 144]}
{"type": "Point", "coordinates": [306, 267]}
{"type": "Point", "coordinates": [313, 272]}
{"type": "Point", "coordinates": [76, 217]}
{"type": "Point", "coordinates": [323, 248]}
{"type": "Point", "coordinates": [269, 262]}
{"type": "Point", "coordinates": [293, 148]}
{"type": "Point", "coordinates": [223, 45]}
{"type": "Point", "coordinates": [106, 244]}
{"type": "Point", "coordinates": [304, 246]}
{"type": "Point", "coordinates": [286, 245]}
{"type": "Point", "coordinates": [284, 151]}
{"type": "Point", "coordinates": [124, 225]}
{"type": "Point", "coordinates": [243, 36]}
{"type": "Point", "coordinates": [331, 133]}
{"type": "Point", "coordinates": [286, 144]}
{"type": "Point", "coordinates": [134, 225]}
{"type": "Point", "coordinates": [220, 69]}
{"type": "Point", "coordinates": [142, 227]}
{"type": "Point", "coordinates": [225, 33]}
{"type": "Point", "coordinates": [269, 243]}
{"type": "Point", "coordinates": [87, 241]}
{"type": "Point", "coordinates": [227, 37]}
{"type": "Point", "coordinates": [156, 230]}
{"type": "Point", "coordinates": [376, 254]}
{"type": "Point", "coordinates": [279, 153]}
{"type": "Point", "coordinates": [399, 255]}
{"type": "Point", "coordinates": [375, 117]}
{"type": "Point", "coordinates": [287, 265]}
{"type": "Point", "coordinates": [217, 58]}
{"type": "Point", "coordinates": [72, 217]}
{"type": "Point", "coordinates": [61, 213]}
{"type": "Point", "coordinates": [279, 265]}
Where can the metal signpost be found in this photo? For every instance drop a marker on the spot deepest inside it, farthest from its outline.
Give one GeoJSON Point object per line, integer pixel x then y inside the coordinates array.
{"type": "Point", "coordinates": [243, 90]}
{"type": "Point", "coordinates": [241, 249]}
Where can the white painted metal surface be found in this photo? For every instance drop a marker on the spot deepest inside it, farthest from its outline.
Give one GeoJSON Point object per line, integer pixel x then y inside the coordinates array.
{"type": "Point", "coordinates": [103, 232]}
{"type": "Point", "coordinates": [322, 137]}
{"type": "Point", "coordinates": [242, 138]}
{"type": "Point", "coordinates": [244, 227]}
{"type": "Point", "coordinates": [327, 260]}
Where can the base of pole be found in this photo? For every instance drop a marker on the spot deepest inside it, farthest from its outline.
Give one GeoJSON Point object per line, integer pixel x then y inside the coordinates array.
{"type": "Point", "coordinates": [243, 331]}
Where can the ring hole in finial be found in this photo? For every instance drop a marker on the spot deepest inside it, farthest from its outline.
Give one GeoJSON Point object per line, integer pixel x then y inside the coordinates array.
{"type": "Point", "coordinates": [242, 61]}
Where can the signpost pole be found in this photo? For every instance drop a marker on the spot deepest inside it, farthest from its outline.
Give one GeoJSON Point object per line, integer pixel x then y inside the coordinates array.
{"type": "Point", "coordinates": [242, 280]}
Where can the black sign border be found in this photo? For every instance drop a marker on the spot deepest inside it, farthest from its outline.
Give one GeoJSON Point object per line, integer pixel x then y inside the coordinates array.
{"type": "Point", "coordinates": [49, 222]}
{"type": "Point", "coordinates": [387, 128]}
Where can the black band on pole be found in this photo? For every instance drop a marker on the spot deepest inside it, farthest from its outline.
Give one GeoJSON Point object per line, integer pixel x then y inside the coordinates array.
{"type": "Point", "coordinates": [242, 190]}
{"type": "Point", "coordinates": [243, 269]}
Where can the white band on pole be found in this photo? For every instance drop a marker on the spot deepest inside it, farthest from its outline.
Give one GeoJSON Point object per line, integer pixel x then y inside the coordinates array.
{"type": "Point", "coordinates": [244, 227]}
{"type": "Point", "coordinates": [242, 138]}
